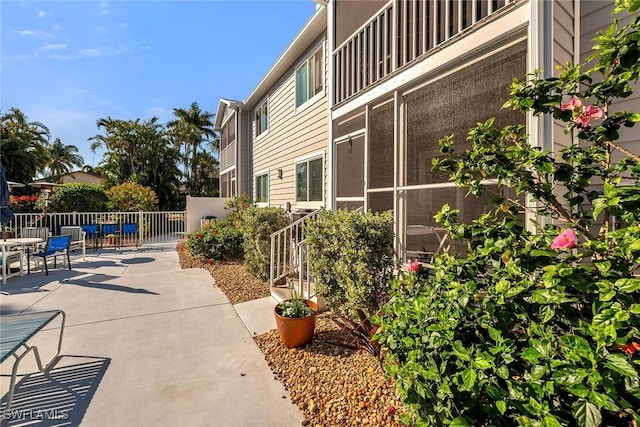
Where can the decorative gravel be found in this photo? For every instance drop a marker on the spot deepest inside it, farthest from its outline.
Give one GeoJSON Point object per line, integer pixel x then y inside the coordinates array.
{"type": "Point", "coordinates": [332, 385]}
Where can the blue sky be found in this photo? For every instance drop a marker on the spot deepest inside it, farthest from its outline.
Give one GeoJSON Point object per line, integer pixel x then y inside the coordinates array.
{"type": "Point", "coordinates": [68, 63]}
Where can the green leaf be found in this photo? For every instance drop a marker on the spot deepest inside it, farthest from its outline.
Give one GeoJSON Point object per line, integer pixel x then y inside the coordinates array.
{"type": "Point", "coordinates": [551, 421]}
{"type": "Point", "coordinates": [503, 372]}
{"type": "Point", "coordinates": [634, 309]}
{"type": "Point", "coordinates": [586, 414]}
{"type": "Point", "coordinates": [618, 363]}
{"type": "Point", "coordinates": [469, 378]}
{"type": "Point", "coordinates": [461, 352]}
{"type": "Point", "coordinates": [628, 285]}
{"type": "Point", "coordinates": [482, 363]}
{"type": "Point", "coordinates": [460, 422]}
{"type": "Point", "coordinates": [546, 313]}
{"type": "Point", "coordinates": [538, 372]}
{"type": "Point", "coordinates": [531, 355]}
{"type": "Point", "coordinates": [502, 406]}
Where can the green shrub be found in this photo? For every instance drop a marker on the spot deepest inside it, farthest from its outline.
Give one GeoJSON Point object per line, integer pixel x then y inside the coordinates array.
{"type": "Point", "coordinates": [351, 258]}
{"type": "Point", "coordinates": [237, 205]}
{"type": "Point", "coordinates": [217, 241]}
{"type": "Point", "coordinates": [257, 226]}
{"type": "Point", "coordinates": [537, 328]}
{"type": "Point", "coordinates": [131, 197]}
{"type": "Point", "coordinates": [76, 197]}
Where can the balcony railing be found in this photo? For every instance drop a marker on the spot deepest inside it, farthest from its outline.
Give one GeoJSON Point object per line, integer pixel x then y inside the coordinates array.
{"type": "Point", "coordinates": [228, 156]}
{"type": "Point", "coordinates": [401, 32]}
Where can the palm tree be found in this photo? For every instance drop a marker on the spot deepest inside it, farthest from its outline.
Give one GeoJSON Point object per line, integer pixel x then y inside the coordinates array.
{"type": "Point", "coordinates": [190, 129]}
{"type": "Point", "coordinates": [23, 145]}
{"type": "Point", "coordinates": [62, 158]}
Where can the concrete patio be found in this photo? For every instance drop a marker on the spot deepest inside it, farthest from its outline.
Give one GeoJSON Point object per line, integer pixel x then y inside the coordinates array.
{"type": "Point", "coordinates": [146, 344]}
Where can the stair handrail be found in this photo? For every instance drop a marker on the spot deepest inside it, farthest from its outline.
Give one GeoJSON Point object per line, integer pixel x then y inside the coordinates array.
{"type": "Point", "coordinates": [288, 229]}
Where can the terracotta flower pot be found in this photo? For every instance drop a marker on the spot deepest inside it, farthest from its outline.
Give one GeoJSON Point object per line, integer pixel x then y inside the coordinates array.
{"type": "Point", "coordinates": [295, 332]}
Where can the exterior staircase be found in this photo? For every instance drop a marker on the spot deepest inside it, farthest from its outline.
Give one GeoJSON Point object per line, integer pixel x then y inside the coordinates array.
{"type": "Point", "coordinates": [289, 260]}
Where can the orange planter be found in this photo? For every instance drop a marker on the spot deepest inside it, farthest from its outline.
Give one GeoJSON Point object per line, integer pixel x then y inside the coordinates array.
{"type": "Point", "coordinates": [295, 332]}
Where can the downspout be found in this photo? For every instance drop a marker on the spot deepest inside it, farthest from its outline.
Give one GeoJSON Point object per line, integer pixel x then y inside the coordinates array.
{"type": "Point", "coordinates": [577, 36]}
{"type": "Point", "coordinates": [541, 56]}
{"type": "Point", "coordinates": [547, 64]}
{"type": "Point", "coordinates": [330, 194]}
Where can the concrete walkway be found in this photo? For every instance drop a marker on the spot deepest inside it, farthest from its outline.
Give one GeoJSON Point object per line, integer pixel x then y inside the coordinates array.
{"type": "Point", "coordinates": [146, 344]}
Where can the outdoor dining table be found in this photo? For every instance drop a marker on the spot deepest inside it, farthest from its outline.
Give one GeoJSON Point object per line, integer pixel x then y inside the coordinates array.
{"type": "Point", "coordinates": [19, 241]}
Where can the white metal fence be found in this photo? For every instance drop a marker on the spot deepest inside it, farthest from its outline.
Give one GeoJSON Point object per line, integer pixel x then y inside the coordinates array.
{"type": "Point", "coordinates": [152, 227]}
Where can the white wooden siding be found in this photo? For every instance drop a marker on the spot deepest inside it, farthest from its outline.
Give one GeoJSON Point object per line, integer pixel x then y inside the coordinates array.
{"type": "Point", "coordinates": [291, 135]}
{"type": "Point", "coordinates": [596, 16]}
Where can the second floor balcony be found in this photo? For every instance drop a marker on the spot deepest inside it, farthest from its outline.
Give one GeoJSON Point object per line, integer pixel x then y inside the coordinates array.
{"type": "Point", "coordinates": [398, 34]}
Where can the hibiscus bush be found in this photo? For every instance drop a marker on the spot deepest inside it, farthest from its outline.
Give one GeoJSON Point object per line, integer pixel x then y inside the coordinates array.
{"type": "Point", "coordinates": [218, 240]}
{"type": "Point", "coordinates": [538, 322]}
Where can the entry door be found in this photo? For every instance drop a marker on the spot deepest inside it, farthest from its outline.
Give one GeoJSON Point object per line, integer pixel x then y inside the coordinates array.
{"type": "Point", "coordinates": [350, 177]}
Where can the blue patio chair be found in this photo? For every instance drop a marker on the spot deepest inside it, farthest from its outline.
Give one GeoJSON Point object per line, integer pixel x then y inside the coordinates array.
{"type": "Point", "coordinates": [92, 233]}
{"type": "Point", "coordinates": [129, 229]}
{"type": "Point", "coordinates": [56, 246]}
{"type": "Point", "coordinates": [109, 231]}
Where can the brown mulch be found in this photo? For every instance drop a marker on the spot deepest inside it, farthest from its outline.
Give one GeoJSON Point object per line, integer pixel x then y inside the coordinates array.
{"type": "Point", "coordinates": [332, 385]}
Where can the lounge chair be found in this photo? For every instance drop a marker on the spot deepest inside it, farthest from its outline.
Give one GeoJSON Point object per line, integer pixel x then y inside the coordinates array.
{"type": "Point", "coordinates": [17, 330]}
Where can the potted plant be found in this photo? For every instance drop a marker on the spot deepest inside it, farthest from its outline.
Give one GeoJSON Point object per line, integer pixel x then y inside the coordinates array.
{"type": "Point", "coordinates": [295, 319]}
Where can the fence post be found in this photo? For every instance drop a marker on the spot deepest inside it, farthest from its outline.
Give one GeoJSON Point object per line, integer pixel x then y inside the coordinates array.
{"type": "Point", "coordinates": [140, 230]}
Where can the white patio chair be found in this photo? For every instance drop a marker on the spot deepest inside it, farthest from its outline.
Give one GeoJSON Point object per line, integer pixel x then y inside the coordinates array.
{"type": "Point", "coordinates": [77, 239]}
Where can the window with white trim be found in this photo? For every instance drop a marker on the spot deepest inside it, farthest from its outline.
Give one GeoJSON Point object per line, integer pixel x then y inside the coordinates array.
{"type": "Point", "coordinates": [262, 188]}
{"type": "Point", "coordinates": [262, 118]}
{"type": "Point", "coordinates": [309, 81]}
{"type": "Point", "coordinates": [310, 180]}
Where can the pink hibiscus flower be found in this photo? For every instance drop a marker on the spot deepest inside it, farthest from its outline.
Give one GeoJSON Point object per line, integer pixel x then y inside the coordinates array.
{"type": "Point", "coordinates": [566, 239]}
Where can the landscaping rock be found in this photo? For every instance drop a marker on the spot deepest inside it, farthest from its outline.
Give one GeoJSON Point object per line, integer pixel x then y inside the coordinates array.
{"type": "Point", "coordinates": [332, 385]}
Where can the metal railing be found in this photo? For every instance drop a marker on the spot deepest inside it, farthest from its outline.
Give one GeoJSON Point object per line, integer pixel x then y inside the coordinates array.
{"type": "Point", "coordinates": [153, 227]}
{"type": "Point", "coordinates": [228, 156]}
{"type": "Point", "coordinates": [289, 254]}
{"type": "Point", "coordinates": [398, 34]}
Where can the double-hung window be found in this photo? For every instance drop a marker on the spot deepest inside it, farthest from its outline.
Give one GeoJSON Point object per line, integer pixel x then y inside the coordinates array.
{"type": "Point", "coordinates": [262, 188]}
{"type": "Point", "coordinates": [309, 81]}
{"type": "Point", "coordinates": [309, 180]}
{"type": "Point", "coordinates": [262, 118]}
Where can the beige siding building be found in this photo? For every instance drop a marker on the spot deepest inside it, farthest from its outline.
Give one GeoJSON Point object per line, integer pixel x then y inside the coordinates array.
{"type": "Point", "coordinates": [274, 143]}
{"type": "Point", "coordinates": [396, 76]}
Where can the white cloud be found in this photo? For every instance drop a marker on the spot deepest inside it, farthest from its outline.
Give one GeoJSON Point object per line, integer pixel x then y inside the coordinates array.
{"type": "Point", "coordinates": [42, 14]}
{"type": "Point", "coordinates": [105, 8]}
{"type": "Point", "coordinates": [90, 52]}
{"type": "Point", "coordinates": [53, 46]}
{"type": "Point", "coordinates": [31, 33]}
{"type": "Point", "coordinates": [63, 57]}
{"type": "Point", "coordinates": [26, 32]}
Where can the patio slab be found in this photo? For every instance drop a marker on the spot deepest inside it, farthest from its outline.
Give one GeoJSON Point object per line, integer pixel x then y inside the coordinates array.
{"type": "Point", "coordinates": [146, 344]}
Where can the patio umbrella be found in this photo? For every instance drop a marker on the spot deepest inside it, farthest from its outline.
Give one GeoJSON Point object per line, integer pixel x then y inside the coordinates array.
{"type": "Point", "coordinates": [6, 214]}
